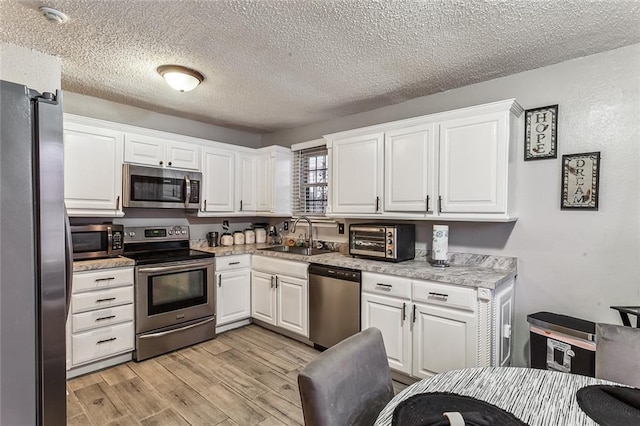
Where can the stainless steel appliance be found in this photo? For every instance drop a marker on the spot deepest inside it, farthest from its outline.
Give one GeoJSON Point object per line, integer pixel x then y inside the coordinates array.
{"type": "Point", "coordinates": [97, 241]}
{"type": "Point", "coordinates": [174, 290]}
{"type": "Point", "coordinates": [334, 304]}
{"type": "Point", "coordinates": [35, 259]}
{"type": "Point", "coordinates": [151, 187]}
{"type": "Point", "coordinates": [390, 242]}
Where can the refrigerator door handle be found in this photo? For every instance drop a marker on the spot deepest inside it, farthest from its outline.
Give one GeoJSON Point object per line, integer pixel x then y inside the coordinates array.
{"type": "Point", "coordinates": [68, 257]}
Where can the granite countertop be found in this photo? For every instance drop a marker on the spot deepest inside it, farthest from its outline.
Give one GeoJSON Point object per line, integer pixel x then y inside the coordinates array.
{"type": "Point", "coordinates": [95, 264]}
{"type": "Point", "coordinates": [469, 270]}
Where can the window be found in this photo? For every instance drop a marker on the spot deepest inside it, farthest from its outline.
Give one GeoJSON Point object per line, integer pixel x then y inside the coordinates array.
{"type": "Point", "coordinates": [310, 177]}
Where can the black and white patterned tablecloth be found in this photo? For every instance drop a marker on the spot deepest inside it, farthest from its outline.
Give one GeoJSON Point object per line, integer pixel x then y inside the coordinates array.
{"type": "Point", "coordinates": [537, 397]}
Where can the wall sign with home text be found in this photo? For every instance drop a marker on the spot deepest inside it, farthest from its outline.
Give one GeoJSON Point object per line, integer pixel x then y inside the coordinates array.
{"type": "Point", "coordinates": [580, 179]}
{"type": "Point", "coordinates": [541, 133]}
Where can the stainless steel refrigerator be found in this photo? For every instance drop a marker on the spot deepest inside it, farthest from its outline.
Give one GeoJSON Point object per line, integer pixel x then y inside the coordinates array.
{"type": "Point", "coordinates": [34, 258]}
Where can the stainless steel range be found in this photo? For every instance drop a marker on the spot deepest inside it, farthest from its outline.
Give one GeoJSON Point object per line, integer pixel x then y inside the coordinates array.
{"type": "Point", "coordinates": [174, 290]}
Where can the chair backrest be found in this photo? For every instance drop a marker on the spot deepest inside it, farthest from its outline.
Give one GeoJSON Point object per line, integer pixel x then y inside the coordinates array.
{"type": "Point", "coordinates": [348, 384]}
{"type": "Point", "coordinates": [618, 354]}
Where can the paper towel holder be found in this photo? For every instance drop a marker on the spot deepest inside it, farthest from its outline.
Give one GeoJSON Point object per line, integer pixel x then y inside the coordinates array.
{"type": "Point", "coordinates": [439, 263]}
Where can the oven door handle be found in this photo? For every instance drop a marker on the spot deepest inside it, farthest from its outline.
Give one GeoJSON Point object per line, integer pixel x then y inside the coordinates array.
{"type": "Point", "coordinates": [164, 333]}
{"type": "Point", "coordinates": [186, 266]}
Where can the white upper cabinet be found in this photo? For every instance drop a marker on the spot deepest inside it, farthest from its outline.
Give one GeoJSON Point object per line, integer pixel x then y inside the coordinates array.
{"type": "Point", "coordinates": [92, 169]}
{"type": "Point", "coordinates": [158, 152]}
{"type": "Point", "coordinates": [454, 165]}
{"type": "Point", "coordinates": [246, 182]}
{"type": "Point", "coordinates": [356, 183]}
{"type": "Point", "coordinates": [273, 180]}
{"type": "Point", "coordinates": [218, 171]}
{"type": "Point", "coordinates": [410, 169]}
{"type": "Point", "coordinates": [264, 187]}
{"type": "Point", "coordinates": [473, 164]}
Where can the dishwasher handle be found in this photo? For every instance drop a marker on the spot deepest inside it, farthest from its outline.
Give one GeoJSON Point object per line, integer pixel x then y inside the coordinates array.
{"type": "Point", "coordinates": [344, 274]}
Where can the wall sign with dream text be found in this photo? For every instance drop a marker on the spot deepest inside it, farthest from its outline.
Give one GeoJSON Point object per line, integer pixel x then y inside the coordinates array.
{"type": "Point", "coordinates": [580, 176]}
{"type": "Point", "coordinates": [541, 133]}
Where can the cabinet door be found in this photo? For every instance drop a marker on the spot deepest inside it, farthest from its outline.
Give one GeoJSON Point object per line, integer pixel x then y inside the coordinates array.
{"type": "Point", "coordinates": [356, 174]}
{"type": "Point", "coordinates": [218, 173]}
{"type": "Point", "coordinates": [264, 183]}
{"type": "Point", "coordinates": [182, 155]}
{"type": "Point", "coordinates": [142, 149]}
{"type": "Point", "coordinates": [391, 317]}
{"type": "Point", "coordinates": [246, 182]}
{"type": "Point", "coordinates": [443, 339]}
{"type": "Point", "coordinates": [263, 297]}
{"type": "Point", "coordinates": [233, 296]}
{"type": "Point", "coordinates": [292, 304]}
{"type": "Point", "coordinates": [473, 164]}
{"type": "Point", "coordinates": [410, 169]}
{"type": "Point", "coordinates": [504, 320]}
{"type": "Point", "coordinates": [92, 170]}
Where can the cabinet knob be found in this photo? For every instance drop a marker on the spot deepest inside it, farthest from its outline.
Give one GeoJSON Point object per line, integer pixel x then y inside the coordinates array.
{"type": "Point", "coordinates": [169, 162]}
{"type": "Point", "coordinates": [161, 162]}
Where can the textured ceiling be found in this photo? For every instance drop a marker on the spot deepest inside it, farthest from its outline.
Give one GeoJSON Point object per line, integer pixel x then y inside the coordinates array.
{"type": "Point", "coordinates": [271, 65]}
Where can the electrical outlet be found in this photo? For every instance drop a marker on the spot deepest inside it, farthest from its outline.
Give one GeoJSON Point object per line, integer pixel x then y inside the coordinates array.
{"type": "Point", "coordinates": [340, 228]}
{"type": "Point", "coordinates": [225, 223]}
{"type": "Point", "coordinates": [285, 226]}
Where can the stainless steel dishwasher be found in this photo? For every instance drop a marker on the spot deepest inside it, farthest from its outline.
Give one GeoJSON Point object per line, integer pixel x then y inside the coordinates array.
{"type": "Point", "coordinates": [334, 304]}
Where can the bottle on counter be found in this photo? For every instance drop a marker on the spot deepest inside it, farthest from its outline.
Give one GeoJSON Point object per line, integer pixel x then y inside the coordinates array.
{"type": "Point", "coordinates": [261, 235]}
{"type": "Point", "coordinates": [226, 239]}
{"type": "Point", "coordinates": [238, 238]}
{"type": "Point", "coordinates": [249, 236]}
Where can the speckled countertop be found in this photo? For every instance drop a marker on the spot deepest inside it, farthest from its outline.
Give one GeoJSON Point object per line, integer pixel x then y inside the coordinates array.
{"type": "Point", "coordinates": [469, 270]}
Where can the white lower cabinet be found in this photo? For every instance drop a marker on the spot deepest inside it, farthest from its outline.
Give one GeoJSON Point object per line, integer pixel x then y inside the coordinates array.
{"type": "Point", "coordinates": [280, 293]}
{"type": "Point", "coordinates": [430, 327]}
{"type": "Point", "coordinates": [100, 325]}
{"type": "Point", "coordinates": [233, 289]}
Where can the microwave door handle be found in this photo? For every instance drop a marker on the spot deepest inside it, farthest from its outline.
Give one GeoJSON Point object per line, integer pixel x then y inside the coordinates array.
{"type": "Point", "coordinates": [187, 197]}
{"type": "Point", "coordinates": [68, 262]}
{"type": "Point", "coordinates": [109, 239]}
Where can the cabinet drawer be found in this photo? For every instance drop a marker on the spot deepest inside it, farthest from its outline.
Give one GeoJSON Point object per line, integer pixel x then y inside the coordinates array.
{"type": "Point", "coordinates": [444, 295]}
{"type": "Point", "coordinates": [101, 299]}
{"type": "Point", "coordinates": [101, 318]}
{"type": "Point", "coordinates": [104, 278]}
{"type": "Point", "coordinates": [102, 342]}
{"type": "Point", "coordinates": [225, 263]}
{"type": "Point", "coordinates": [386, 284]}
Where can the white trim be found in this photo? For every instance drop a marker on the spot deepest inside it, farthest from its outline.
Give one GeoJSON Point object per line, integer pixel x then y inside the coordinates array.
{"type": "Point", "coordinates": [309, 144]}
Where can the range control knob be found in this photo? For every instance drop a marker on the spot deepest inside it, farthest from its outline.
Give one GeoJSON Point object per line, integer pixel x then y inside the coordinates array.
{"type": "Point", "coordinates": [170, 232]}
{"type": "Point", "coordinates": [132, 234]}
{"type": "Point", "coordinates": [184, 232]}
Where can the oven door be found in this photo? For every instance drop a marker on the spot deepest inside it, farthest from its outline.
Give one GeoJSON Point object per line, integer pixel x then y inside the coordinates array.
{"type": "Point", "coordinates": [368, 241]}
{"type": "Point", "coordinates": [172, 293]}
{"type": "Point", "coordinates": [152, 187]}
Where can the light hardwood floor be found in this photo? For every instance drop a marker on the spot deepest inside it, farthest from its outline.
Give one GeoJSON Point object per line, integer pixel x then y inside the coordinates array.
{"type": "Point", "coordinates": [246, 376]}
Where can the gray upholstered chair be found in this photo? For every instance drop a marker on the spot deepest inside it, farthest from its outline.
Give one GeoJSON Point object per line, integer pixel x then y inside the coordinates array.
{"type": "Point", "coordinates": [348, 384]}
{"type": "Point", "coordinates": [618, 354]}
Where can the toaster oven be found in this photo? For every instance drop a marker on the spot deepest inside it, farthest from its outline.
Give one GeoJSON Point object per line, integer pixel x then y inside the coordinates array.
{"type": "Point", "coordinates": [390, 242]}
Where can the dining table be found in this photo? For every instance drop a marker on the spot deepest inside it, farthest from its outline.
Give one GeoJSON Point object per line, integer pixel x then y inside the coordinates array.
{"type": "Point", "coordinates": [537, 397]}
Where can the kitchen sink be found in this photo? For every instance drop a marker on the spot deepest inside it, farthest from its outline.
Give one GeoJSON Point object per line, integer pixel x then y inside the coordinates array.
{"type": "Point", "coordinates": [305, 251]}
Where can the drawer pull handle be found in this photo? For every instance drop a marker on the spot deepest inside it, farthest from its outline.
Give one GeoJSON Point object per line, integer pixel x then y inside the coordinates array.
{"type": "Point", "coordinates": [234, 263]}
{"type": "Point", "coordinates": [105, 279]}
{"type": "Point", "coordinates": [108, 299]}
{"type": "Point", "coordinates": [384, 286]}
{"type": "Point", "coordinates": [105, 318]}
{"type": "Point", "coordinates": [106, 340]}
{"type": "Point", "coordinates": [438, 295]}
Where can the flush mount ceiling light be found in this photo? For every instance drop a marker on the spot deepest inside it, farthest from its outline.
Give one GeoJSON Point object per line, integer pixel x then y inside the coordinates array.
{"type": "Point", "coordinates": [181, 78]}
{"type": "Point", "coordinates": [53, 15]}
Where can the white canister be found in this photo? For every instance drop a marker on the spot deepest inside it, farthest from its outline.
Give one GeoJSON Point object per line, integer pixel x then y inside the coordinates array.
{"type": "Point", "coordinates": [440, 242]}
{"type": "Point", "coordinates": [226, 239]}
{"type": "Point", "coordinates": [238, 238]}
{"type": "Point", "coordinates": [249, 236]}
{"type": "Point", "coordinates": [261, 235]}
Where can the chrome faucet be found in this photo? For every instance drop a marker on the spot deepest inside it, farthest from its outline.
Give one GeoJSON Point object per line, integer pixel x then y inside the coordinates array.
{"type": "Point", "coordinates": [293, 229]}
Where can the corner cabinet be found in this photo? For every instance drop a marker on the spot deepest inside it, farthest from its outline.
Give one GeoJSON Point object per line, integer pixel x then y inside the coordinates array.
{"type": "Point", "coordinates": [92, 168]}
{"type": "Point", "coordinates": [273, 184]}
{"type": "Point", "coordinates": [455, 165]}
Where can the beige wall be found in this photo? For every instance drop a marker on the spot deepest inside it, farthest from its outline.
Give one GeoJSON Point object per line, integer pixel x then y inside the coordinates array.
{"type": "Point", "coordinates": [572, 262]}
{"type": "Point", "coordinates": [29, 67]}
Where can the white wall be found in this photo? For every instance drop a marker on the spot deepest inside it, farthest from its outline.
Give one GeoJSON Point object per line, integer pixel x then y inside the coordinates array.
{"type": "Point", "coordinates": [89, 106]}
{"type": "Point", "coordinates": [36, 70]}
{"type": "Point", "coordinates": [572, 262]}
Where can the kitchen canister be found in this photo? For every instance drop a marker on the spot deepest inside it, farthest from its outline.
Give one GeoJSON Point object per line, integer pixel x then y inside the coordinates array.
{"type": "Point", "coordinates": [261, 235]}
{"type": "Point", "coordinates": [440, 246]}
{"type": "Point", "coordinates": [226, 239]}
{"type": "Point", "coordinates": [249, 236]}
{"type": "Point", "coordinates": [238, 237]}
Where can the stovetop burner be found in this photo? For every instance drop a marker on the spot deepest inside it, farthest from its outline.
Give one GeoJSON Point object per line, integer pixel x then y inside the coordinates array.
{"type": "Point", "coordinates": [160, 245]}
{"type": "Point", "coordinates": [164, 256]}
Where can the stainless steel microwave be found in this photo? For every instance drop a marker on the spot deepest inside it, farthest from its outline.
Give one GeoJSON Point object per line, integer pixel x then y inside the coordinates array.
{"type": "Point", "coordinates": [390, 242]}
{"type": "Point", "coordinates": [152, 187]}
{"type": "Point", "coordinates": [97, 241]}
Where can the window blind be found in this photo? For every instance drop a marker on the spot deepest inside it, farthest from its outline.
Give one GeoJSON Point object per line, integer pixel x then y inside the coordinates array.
{"type": "Point", "coordinates": [309, 181]}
